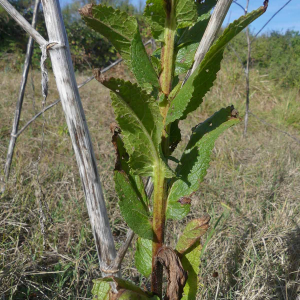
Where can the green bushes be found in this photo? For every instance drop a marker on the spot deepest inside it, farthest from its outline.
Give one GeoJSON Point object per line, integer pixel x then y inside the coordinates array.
{"type": "Point", "coordinates": [275, 54]}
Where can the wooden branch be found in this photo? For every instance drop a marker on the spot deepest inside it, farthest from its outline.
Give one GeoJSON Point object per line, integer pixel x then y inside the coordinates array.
{"type": "Point", "coordinates": [22, 22]}
{"type": "Point", "coordinates": [211, 31]}
{"type": "Point", "coordinates": [78, 129]}
{"type": "Point", "coordinates": [16, 121]}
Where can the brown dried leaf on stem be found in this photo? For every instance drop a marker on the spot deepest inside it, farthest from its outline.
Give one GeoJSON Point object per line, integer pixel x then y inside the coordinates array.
{"type": "Point", "coordinates": [87, 10]}
{"type": "Point", "coordinates": [177, 276]}
{"type": "Point", "coordinates": [116, 130]}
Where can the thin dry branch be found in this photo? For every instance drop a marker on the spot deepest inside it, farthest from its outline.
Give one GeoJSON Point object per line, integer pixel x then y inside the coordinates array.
{"type": "Point", "coordinates": [22, 22]}
{"type": "Point", "coordinates": [79, 132]}
{"type": "Point", "coordinates": [19, 104]}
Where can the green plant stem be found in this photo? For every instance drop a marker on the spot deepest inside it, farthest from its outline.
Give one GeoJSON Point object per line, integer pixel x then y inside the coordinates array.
{"type": "Point", "coordinates": [167, 73]}
{"type": "Point", "coordinates": [159, 218]}
{"type": "Point", "coordinates": [160, 183]}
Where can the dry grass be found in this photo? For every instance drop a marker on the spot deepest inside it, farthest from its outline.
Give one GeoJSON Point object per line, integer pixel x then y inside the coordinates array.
{"type": "Point", "coordinates": [252, 183]}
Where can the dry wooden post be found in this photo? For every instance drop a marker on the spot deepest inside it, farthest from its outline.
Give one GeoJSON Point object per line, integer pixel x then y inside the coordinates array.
{"type": "Point", "coordinates": [78, 129]}
{"type": "Point", "coordinates": [211, 31]}
{"type": "Point", "coordinates": [247, 74]}
{"type": "Point", "coordinates": [13, 138]}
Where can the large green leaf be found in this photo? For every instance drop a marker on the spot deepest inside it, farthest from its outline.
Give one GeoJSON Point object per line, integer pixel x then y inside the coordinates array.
{"type": "Point", "coordinates": [194, 162]}
{"type": "Point", "coordinates": [133, 209]}
{"type": "Point", "coordinates": [155, 14]}
{"type": "Point", "coordinates": [141, 123]}
{"type": "Point", "coordinates": [186, 13]}
{"type": "Point", "coordinates": [191, 95]}
{"type": "Point", "coordinates": [194, 34]}
{"type": "Point", "coordinates": [122, 165]}
{"type": "Point", "coordinates": [123, 32]}
{"type": "Point", "coordinates": [143, 256]}
{"type": "Point", "coordinates": [118, 289]}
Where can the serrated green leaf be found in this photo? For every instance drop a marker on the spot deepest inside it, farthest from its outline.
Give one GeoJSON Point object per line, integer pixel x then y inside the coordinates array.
{"type": "Point", "coordinates": [132, 207]}
{"type": "Point", "coordinates": [135, 180]}
{"type": "Point", "coordinates": [195, 160]}
{"type": "Point", "coordinates": [155, 14]}
{"type": "Point", "coordinates": [156, 64]}
{"type": "Point", "coordinates": [191, 95]}
{"type": "Point", "coordinates": [192, 233]}
{"type": "Point", "coordinates": [191, 262]}
{"type": "Point", "coordinates": [195, 33]}
{"type": "Point", "coordinates": [205, 6]}
{"type": "Point", "coordinates": [186, 13]}
{"type": "Point", "coordinates": [175, 136]}
{"type": "Point", "coordinates": [123, 32]}
{"type": "Point", "coordinates": [143, 256]}
{"type": "Point", "coordinates": [139, 117]}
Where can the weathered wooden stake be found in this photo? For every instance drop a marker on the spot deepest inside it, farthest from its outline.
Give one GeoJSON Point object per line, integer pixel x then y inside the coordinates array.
{"type": "Point", "coordinates": [13, 137]}
{"type": "Point", "coordinates": [58, 47]}
{"type": "Point", "coordinates": [211, 31]}
{"type": "Point", "coordinates": [82, 145]}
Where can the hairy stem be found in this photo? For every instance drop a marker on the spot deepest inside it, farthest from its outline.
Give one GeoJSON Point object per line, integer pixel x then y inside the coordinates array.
{"type": "Point", "coordinates": [167, 58]}
{"type": "Point", "coordinates": [160, 184]}
{"type": "Point", "coordinates": [159, 218]}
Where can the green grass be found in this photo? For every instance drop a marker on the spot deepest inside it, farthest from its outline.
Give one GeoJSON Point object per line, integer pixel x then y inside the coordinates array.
{"type": "Point", "coordinates": [253, 182]}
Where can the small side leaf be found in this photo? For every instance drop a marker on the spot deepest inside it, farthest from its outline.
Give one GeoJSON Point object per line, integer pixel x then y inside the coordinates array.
{"type": "Point", "coordinates": [191, 95]}
{"type": "Point", "coordinates": [189, 248]}
{"type": "Point", "coordinates": [123, 32]}
{"type": "Point", "coordinates": [192, 233]}
{"type": "Point", "coordinates": [143, 256]}
{"type": "Point", "coordinates": [191, 262]}
{"type": "Point", "coordinates": [194, 162]}
{"type": "Point", "coordinates": [132, 208]}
